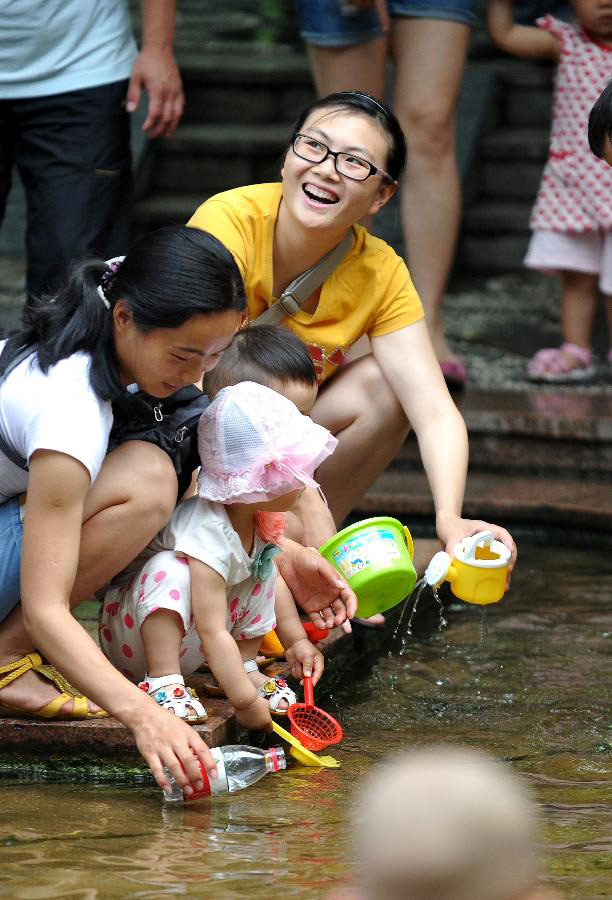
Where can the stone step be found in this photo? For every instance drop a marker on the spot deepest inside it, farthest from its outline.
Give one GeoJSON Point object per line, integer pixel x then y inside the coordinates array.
{"type": "Point", "coordinates": [491, 253]}
{"type": "Point", "coordinates": [532, 432]}
{"type": "Point", "coordinates": [516, 143]}
{"type": "Point", "coordinates": [539, 503]}
{"type": "Point", "coordinates": [491, 216]}
{"type": "Point", "coordinates": [166, 209]}
{"type": "Point", "coordinates": [104, 749]}
{"type": "Point", "coordinates": [219, 156]}
{"type": "Point", "coordinates": [244, 88]}
{"type": "Point", "coordinates": [517, 179]}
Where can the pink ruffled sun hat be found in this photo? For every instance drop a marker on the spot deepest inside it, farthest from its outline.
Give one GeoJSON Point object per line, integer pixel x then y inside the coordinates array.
{"type": "Point", "coordinates": [256, 445]}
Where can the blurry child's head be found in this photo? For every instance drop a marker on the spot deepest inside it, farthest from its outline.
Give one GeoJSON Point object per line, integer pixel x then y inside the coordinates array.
{"type": "Point", "coordinates": [600, 126]}
{"type": "Point", "coordinates": [256, 447]}
{"type": "Point", "coordinates": [446, 823]}
{"type": "Point", "coordinates": [268, 355]}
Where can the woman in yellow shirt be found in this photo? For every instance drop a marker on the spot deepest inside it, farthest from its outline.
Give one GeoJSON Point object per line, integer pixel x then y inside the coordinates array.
{"type": "Point", "coordinates": [343, 163]}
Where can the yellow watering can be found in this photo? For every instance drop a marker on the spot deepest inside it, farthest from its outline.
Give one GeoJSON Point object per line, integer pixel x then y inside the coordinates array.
{"type": "Point", "coordinates": [477, 571]}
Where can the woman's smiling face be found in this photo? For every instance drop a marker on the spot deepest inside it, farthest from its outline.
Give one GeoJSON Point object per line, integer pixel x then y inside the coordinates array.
{"type": "Point", "coordinates": [318, 196]}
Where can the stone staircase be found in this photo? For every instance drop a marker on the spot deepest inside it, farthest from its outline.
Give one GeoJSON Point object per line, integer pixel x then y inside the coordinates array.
{"type": "Point", "coordinates": [242, 98]}
{"type": "Point", "coordinates": [237, 120]}
{"type": "Point", "coordinates": [540, 463]}
{"type": "Point", "coordinates": [506, 174]}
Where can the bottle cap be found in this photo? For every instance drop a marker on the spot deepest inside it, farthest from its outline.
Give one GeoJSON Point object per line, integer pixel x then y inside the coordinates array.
{"type": "Point", "coordinates": [275, 759]}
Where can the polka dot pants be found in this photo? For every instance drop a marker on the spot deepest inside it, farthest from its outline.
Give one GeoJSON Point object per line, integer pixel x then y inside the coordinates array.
{"type": "Point", "coordinates": [164, 583]}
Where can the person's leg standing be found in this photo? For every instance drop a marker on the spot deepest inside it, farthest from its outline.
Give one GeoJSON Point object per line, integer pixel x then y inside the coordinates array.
{"type": "Point", "coordinates": [429, 56]}
{"type": "Point", "coordinates": [6, 153]}
{"type": "Point", "coordinates": [73, 155]}
{"type": "Point", "coordinates": [346, 48]}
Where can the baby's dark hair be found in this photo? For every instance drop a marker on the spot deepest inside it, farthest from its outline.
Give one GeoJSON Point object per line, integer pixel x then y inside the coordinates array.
{"type": "Point", "coordinates": [600, 122]}
{"type": "Point", "coordinates": [261, 353]}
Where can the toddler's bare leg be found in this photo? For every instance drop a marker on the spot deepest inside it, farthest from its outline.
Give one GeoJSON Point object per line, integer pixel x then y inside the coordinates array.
{"type": "Point", "coordinates": [162, 633]}
{"type": "Point", "coordinates": [578, 304]}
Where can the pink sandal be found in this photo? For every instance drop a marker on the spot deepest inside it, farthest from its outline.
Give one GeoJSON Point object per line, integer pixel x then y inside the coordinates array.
{"type": "Point", "coordinates": [454, 371]}
{"type": "Point", "coordinates": [553, 366]}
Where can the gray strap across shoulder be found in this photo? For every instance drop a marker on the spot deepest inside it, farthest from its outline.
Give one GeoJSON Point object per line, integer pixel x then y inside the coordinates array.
{"type": "Point", "coordinates": [295, 295]}
{"type": "Point", "coordinates": [5, 370]}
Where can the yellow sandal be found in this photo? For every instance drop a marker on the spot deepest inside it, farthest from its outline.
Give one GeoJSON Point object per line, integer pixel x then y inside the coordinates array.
{"type": "Point", "coordinates": [33, 661]}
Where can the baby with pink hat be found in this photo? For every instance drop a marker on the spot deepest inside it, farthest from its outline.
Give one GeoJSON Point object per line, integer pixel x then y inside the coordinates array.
{"type": "Point", "coordinates": [206, 588]}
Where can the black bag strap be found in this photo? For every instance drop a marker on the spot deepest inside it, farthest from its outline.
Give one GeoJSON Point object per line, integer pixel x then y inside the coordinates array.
{"type": "Point", "coordinates": [5, 371]}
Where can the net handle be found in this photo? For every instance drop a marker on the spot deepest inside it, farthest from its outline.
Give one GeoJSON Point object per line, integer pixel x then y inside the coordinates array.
{"type": "Point", "coordinates": [308, 691]}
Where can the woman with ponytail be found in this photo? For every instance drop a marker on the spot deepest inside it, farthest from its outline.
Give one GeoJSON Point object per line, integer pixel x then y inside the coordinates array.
{"type": "Point", "coordinates": [72, 516]}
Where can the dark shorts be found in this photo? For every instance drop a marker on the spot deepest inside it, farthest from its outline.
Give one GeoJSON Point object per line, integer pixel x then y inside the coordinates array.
{"type": "Point", "coordinates": [10, 556]}
{"type": "Point", "coordinates": [333, 23]}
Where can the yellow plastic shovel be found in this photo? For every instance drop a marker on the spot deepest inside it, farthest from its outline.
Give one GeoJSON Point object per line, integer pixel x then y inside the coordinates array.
{"type": "Point", "coordinates": [301, 754]}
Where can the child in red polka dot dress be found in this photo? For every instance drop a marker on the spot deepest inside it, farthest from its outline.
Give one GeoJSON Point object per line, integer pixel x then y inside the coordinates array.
{"type": "Point", "coordinates": [206, 588]}
{"type": "Point", "coordinates": [572, 216]}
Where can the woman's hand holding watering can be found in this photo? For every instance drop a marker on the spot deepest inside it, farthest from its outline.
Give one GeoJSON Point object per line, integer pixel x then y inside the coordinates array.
{"type": "Point", "coordinates": [452, 528]}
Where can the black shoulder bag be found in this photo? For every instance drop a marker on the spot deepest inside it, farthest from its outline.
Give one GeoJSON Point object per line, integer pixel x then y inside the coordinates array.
{"type": "Point", "coordinates": [171, 424]}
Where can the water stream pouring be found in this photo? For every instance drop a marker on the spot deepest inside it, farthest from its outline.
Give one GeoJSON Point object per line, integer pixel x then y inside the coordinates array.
{"type": "Point", "coordinates": [315, 728]}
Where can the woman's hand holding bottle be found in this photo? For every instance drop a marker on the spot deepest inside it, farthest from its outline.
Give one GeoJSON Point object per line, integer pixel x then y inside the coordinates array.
{"type": "Point", "coordinates": [165, 740]}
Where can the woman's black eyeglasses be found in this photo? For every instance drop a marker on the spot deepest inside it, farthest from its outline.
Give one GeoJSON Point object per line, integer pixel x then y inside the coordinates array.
{"type": "Point", "coordinates": [354, 167]}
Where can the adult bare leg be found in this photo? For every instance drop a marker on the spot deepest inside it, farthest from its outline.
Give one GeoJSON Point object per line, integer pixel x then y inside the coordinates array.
{"type": "Point", "coordinates": [132, 498]}
{"type": "Point", "coordinates": [358, 67]}
{"type": "Point", "coordinates": [429, 57]}
{"type": "Point", "coordinates": [359, 407]}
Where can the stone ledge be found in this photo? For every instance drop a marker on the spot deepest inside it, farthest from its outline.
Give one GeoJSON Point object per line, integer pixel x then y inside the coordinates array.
{"type": "Point", "coordinates": [105, 749]}
{"type": "Point", "coordinates": [540, 412]}
{"type": "Point", "coordinates": [511, 498]}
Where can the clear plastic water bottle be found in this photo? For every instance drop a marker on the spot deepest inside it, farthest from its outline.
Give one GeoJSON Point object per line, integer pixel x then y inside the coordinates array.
{"type": "Point", "coordinates": [238, 766]}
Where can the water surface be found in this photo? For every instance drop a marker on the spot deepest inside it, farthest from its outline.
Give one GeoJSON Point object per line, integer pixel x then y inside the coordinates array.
{"type": "Point", "coordinates": [530, 683]}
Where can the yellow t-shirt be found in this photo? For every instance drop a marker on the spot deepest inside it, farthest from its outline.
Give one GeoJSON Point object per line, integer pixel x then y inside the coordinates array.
{"type": "Point", "coordinates": [370, 292]}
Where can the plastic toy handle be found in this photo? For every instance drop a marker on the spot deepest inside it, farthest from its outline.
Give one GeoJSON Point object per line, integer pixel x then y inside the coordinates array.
{"type": "Point", "coordinates": [483, 537]}
{"type": "Point", "coordinates": [409, 542]}
{"type": "Point", "coordinates": [308, 691]}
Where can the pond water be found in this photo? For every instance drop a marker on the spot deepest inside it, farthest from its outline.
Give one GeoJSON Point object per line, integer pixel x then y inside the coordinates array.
{"type": "Point", "coordinates": [529, 683]}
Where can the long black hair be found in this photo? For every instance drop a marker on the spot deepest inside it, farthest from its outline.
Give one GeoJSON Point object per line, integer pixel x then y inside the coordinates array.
{"type": "Point", "coordinates": [167, 277]}
{"type": "Point", "coordinates": [366, 104]}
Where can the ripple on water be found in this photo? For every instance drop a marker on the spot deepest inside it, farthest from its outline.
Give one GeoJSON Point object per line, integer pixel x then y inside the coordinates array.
{"type": "Point", "coordinates": [530, 689]}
